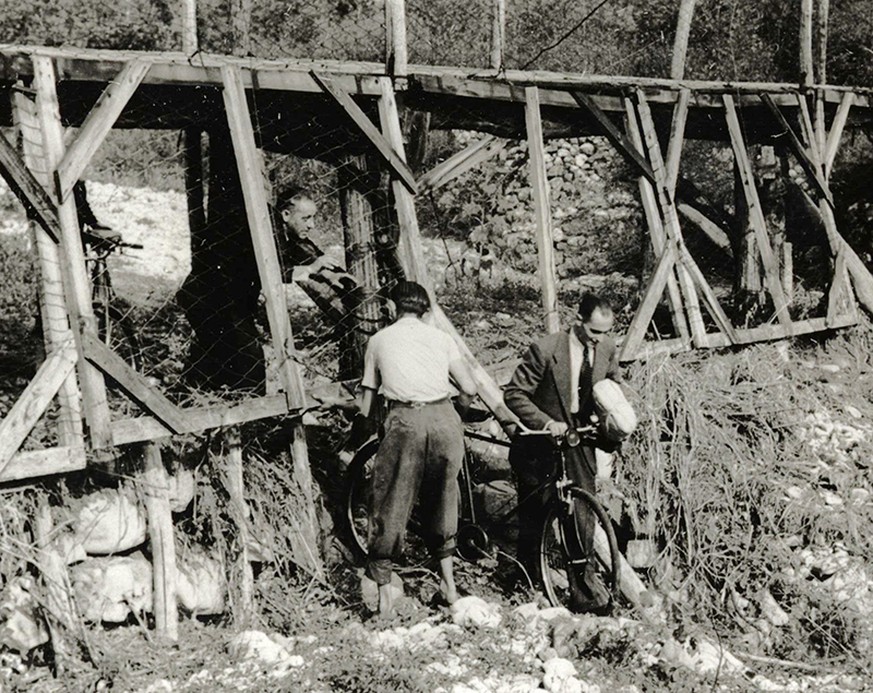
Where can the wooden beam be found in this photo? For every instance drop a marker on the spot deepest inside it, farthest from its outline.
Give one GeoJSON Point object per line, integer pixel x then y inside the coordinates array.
{"type": "Point", "coordinates": [614, 135]}
{"type": "Point", "coordinates": [459, 163]}
{"type": "Point", "coordinates": [33, 464]}
{"type": "Point", "coordinates": [677, 139]}
{"type": "Point", "coordinates": [77, 283]}
{"type": "Point", "coordinates": [656, 227]}
{"type": "Point", "coordinates": [53, 312]}
{"type": "Point", "coordinates": [28, 190]}
{"type": "Point", "coordinates": [252, 178]}
{"type": "Point", "coordinates": [155, 486]}
{"type": "Point", "coordinates": [542, 211]}
{"type": "Point", "coordinates": [807, 74]}
{"type": "Point", "coordinates": [395, 29]}
{"type": "Point", "coordinates": [680, 41]}
{"type": "Point", "coordinates": [143, 428]}
{"type": "Point", "coordinates": [756, 212]}
{"type": "Point", "coordinates": [232, 468]}
{"type": "Point", "coordinates": [31, 405]}
{"type": "Point", "coordinates": [709, 297]}
{"type": "Point", "coordinates": [388, 153]}
{"type": "Point", "coordinates": [97, 125]}
{"type": "Point", "coordinates": [134, 384]}
{"type": "Point", "coordinates": [840, 290]}
{"type": "Point", "coordinates": [498, 33]}
{"type": "Point", "coordinates": [671, 218]}
{"type": "Point", "coordinates": [636, 332]}
{"type": "Point", "coordinates": [806, 159]}
{"type": "Point", "coordinates": [832, 144]}
{"type": "Point", "coordinates": [712, 230]}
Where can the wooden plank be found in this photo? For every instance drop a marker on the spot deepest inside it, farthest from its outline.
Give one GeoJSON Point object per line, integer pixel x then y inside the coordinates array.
{"type": "Point", "coordinates": [804, 157]}
{"type": "Point", "coordinates": [77, 284]}
{"type": "Point", "coordinates": [411, 247]}
{"type": "Point", "coordinates": [233, 463]}
{"type": "Point", "coordinates": [680, 40]}
{"type": "Point", "coordinates": [252, 178]}
{"type": "Point", "coordinates": [97, 125]}
{"type": "Point", "coordinates": [631, 154]}
{"type": "Point", "coordinates": [142, 428]}
{"type": "Point", "coordinates": [542, 211]}
{"type": "Point", "coordinates": [53, 312]}
{"type": "Point", "coordinates": [28, 190]}
{"type": "Point", "coordinates": [33, 464]}
{"type": "Point", "coordinates": [712, 230]}
{"type": "Point", "coordinates": [636, 332]}
{"type": "Point", "coordinates": [395, 29]}
{"type": "Point", "coordinates": [31, 405]}
{"type": "Point", "coordinates": [709, 297]}
{"type": "Point", "coordinates": [677, 139]}
{"type": "Point", "coordinates": [134, 384]}
{"type": "Point", "coordinates": [656, 227]}
{"type": "Point", "coordinates": [807, 75]}
{"type": "Point", "coordinates": [671, 219]}
{"type": "Point", "coordinates": [841, 288]}
{"type": "Point", "coordinates": [155, 485]}
{"type": "Point", "coordinates": [808, 131]}
{"type": "Point", "coordinates": [388, 153]}
{"type": "Point", "coordinates": [756, 212]}
{"type": "Point", "coordinates": [835, 135]}
{"type": "Point", "coordinates": [459, 163]}
{"type": "Point", "coordinates": [498, 33]}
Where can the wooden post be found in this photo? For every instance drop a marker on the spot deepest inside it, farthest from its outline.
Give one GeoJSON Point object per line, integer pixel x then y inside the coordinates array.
{"type": "Point", "coordinates": [359, 234]}
{"type": "Point", "coordinates": [241, 24]}
{"type": "Point", "coordinates": [680, 42]}
{"type": "Point", "coordinates": [832, 145]}
{"type": "Point", "coordinates": [252, 177]}
{"type": "Point", "coordinates": [542, 209]}
{"type": "Point", "coordinates": [395, 38]}
{"type": "Point", "coordinates": [233, 482]}
{"type": "Point", "coordinates": [189, 27]}
{"type": "Point", "coordinates": [821, 77]}
{"type": "Point", "coordinates": [55, 326]}
{"type": "Point", "coordinates": [156, 494]}
{"type": "Point", "coordinates": [77, 285]}
{"type": "Point", "coordinates": [498, 33]}
{"type": "Point", "coordinates": [807, 75]}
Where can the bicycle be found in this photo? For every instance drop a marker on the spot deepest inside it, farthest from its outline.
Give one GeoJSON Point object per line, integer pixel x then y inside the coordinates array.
{"type": "Point", "coordinates": [114, 328]}
{"type": "Point", "coordinates": [560, 546]}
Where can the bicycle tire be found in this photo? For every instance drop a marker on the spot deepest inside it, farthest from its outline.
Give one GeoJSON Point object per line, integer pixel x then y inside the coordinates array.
{"type": "Point", "coordinates": [357, 495]}
{"type": "Point", "coordinates": [560, 546]}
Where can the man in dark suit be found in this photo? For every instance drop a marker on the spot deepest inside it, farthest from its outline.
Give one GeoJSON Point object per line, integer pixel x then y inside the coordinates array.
{"type": "Point", "coordinates": [552, 390]}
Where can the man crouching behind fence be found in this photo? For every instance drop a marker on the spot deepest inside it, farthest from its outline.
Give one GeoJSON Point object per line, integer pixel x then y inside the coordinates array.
{"type": "Point", "coordinates": [410, 363]}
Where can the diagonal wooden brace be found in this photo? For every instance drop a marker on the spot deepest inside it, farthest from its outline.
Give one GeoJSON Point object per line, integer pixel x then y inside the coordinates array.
{"type": "Point", "coordinates": [28, 189]}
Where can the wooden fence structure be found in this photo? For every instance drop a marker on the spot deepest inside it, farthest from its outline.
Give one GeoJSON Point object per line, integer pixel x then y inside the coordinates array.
{"type": "Point", "coordinates": [47, 91]}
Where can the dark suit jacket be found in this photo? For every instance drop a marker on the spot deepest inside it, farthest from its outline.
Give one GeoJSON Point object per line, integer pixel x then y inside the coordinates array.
{"type": "Point", "coordinates": [540, 391]}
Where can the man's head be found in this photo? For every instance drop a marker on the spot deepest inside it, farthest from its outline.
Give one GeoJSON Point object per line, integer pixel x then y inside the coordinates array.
{"type": "Point", "coordinates": [594, 320]}
{"type": "Point", "coordinates": [297, 210]}
{"type": "Point", "coordinates": [410, 297]}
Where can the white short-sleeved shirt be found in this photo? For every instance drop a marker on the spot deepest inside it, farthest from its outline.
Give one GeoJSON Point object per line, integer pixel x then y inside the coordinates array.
{"type": "Point", "coordinates": [409, 362]}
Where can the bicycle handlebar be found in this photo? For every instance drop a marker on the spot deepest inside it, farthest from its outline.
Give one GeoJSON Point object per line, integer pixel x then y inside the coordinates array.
{"type": "Point", "coordinates": [591, 429]}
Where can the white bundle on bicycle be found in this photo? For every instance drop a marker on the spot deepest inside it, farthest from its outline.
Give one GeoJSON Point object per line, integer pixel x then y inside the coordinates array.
{"type": "Point", "coordinates": [617, 417]}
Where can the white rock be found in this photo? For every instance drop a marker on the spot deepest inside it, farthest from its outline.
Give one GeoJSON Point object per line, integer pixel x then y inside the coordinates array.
{"type": "Point", "coordinates": [200, 584]}
{"type": "Point", "coordinates": [771, 610]}
{"type": "Point", "coordinates": [257, 646]}
{"type": "Point", "coordinates": [475, 612]}
{"type": "Point", "coordinates": [560, 676]}
{"type": "Point", "coordinates": [21, 629]}
{"type": "Point", "coordinates": [854, 412]}
{"type": "Point", "coordinates": [69, 548]}
{"type": "Point", "coordinates": [181, 489]}
{"type": "Point", "coordinates": [109, 522]}
{"type": "Point", "coordinates": [109, 589]}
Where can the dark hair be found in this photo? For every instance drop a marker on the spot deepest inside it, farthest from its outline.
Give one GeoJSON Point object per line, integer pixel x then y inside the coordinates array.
{"type": "Point", "coordinates": [410, 297]}
{"type": "Point", "coordinates": [590, 303]}
{"type": "Point", "coordinates": [288, 195]}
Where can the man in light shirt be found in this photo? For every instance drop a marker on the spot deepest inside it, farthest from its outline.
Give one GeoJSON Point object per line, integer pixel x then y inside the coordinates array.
{"type": "Point", "coordinates": [552, 390]}
{"type": "Point", "coordinates": [411, 363]}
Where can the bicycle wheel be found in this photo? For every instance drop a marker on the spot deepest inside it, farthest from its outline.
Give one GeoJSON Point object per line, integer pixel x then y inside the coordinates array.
{"type": "Point", "coordinates": [118, 333]}
{"type": "Point", "coordinates": [561, 550]}
{"type": "Point", "coordinates": [358, 494]}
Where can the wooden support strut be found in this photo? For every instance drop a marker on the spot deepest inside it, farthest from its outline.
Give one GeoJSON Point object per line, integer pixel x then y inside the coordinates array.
{"type": "Point", "coordinates": [542, 211]}
{"type": "Point", "coordinates": [458, 164]}
{"type": "Point", "coordinates": [28, 190]}
{"type": "Point", "coordinates": [252, 177]}
{"type": "Point", "coordinates": [97, 125]}
{"type": "Point", "coordinates": [832, 144]}
{"type": "Point", "coordinates": [756, 213]}
{"type": "Point", "coordinates": [76, 282]}
{"type": "Point", "coordinates": [388, 153]}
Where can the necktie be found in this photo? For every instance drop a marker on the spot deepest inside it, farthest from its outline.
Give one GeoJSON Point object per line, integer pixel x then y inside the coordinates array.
{"type": "Point", "coordinates": [585, 384]}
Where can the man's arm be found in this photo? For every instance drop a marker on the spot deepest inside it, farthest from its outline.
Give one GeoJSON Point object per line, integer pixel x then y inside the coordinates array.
{"type": "Point", "coordinates": [366, 398]}
{"type": "Point", "coordinates": [518, 394]}
{"type": "Point", "coordinates": [461, 375]}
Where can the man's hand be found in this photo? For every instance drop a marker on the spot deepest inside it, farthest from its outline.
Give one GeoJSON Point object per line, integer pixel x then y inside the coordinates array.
{"type": "Point", "coordinates": [557, 429]}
